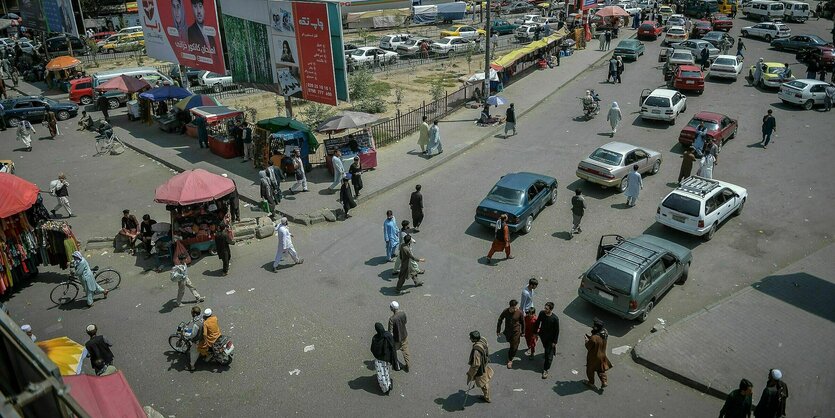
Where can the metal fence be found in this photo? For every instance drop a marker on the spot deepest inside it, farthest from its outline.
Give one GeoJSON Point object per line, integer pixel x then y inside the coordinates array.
{"type": "Point", "coordinates": [105, 57]}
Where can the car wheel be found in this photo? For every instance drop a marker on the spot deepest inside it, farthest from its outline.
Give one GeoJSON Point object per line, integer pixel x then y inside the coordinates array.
{"type": "Point", "coordinates": [645, 314]}
{"type": "Point", "coordinates": [768, 38]}
{"type": "Point", "coordinates": [85, 100]}
{"type": "Point", "coordinates": [745, 34]}
{"type": "Point", "coordinates": [113, 103]}
{"type": "Point", "coordinates": [656, 167]}
{"type": "Point", "coordinates": [739, 209]}
{"type": "Point", "coordinates": [624, 183]}
{"type": "Point", "coordinates": [710, 232]}
{"type": "Point", "coordinates": [13, 121]}
{"type": "Point", "coordinates": [553, 198]}
{"type": "Point", "coordinates": [684, 274]}
{"type": "Point", "coordinates": [785, 101]}
{"type": "Point", "coordinates": [528, 224]}
{"type": "Point", "coordinates": [62, 115]}
{"type": "Point", "coordinates": [809, 104]}
{"type": "Point", "coordinates": [673, 121]}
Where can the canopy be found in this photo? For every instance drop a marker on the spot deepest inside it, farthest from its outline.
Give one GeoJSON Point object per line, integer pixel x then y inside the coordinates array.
{"type": "Point", "coordinates": [165, 93]}
{"type": "Point", "coordinates": [16, 195]}
{"type": "Point", "coordinates": [425, 14]}
{"type": "Point", "coordinates": [105, 396]}
{"type": "Point", "coordinates": [278, 123]}
{"type": "Point", "coordinates": [511, 57]}
{"type": "Point", "coordinates": [479, 77]}
{"type": "Point", "coordinates": [347, 120]}
{"type": "Point", "coordinates": [196, 100]}
{"type": "Point", "coordinates": [67, 354]}
{"type": "Point", "coordinates": [193, 186]}
{"type": "Point", "coordinates": [125, 84]}
{"type": "Point", "coordinates": [215, 113]}
{"type": "Point", "coordinates": [62, 63]}
{"type": "Point", "coordinates": [610, 11]}
{"type": "Point", "coordinates": [496, 100]}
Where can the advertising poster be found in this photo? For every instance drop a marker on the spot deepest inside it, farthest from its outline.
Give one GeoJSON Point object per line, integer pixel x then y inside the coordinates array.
{"type": "Point", "coordinates": [183, 31]}
{"type": "Point", "coordinates": [59, 16]}
{"type": "Point", "coordinates": [314, 52]}
{"type": "Point", "coordinates": [33, 15]}
{"type": "Point", "coordinates": [587, 4]}
{"type": "Point", "coordinates": [249, 52]}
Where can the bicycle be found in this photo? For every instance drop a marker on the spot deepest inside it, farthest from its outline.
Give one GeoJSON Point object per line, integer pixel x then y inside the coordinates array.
{"type": "Point", "coordinates": [105, 143]}
{"type": "Point", "coordinates": [67, 291]}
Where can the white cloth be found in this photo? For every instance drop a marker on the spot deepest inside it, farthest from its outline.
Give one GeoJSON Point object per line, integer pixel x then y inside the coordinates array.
{"type": "Point", "coordinates": [614, 116]}
{"type": "Point", "coordinates": [634, 184]}
{"type": "Point", "coordinates": [435, 144]}
{"type": "Point", "coordinates": [300, 175]}
{"type": "Point", "coordinates": [24, 133]}
{"type": "Point", "coordinates": [285, 239]}
{"type": "Point", "coordinates": [63, 202]}
{"type": "Point", "coordinates": [279, 255]}
{"type": "Point", "coordinates": [706, 167]}
{"type": "Point", "coordinates": [338, 172]}
{"type": "Point", "coordinates": [383, 374]}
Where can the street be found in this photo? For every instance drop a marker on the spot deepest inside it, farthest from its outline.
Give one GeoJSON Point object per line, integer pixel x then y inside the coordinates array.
{"type": "Point", "coordinates": [332, 301]}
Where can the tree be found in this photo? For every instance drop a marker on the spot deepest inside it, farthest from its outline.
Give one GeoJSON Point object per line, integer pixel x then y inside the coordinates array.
{"type": "Point", "coordinates": [437, 88]}
{"type": "Point", "coordinates": [359, 84]}
{"type": "Point", "coordinates": [313, 114]}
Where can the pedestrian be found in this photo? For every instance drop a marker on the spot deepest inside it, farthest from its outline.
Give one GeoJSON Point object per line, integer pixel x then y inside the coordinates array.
{"type": "Point", "coordinates": [733, 11]}
{"type": "Point", "coordinates": [52, 124]}
{"type": "Point", "coordinates": [706, 164]}
{"type": "Point", "coordinates": [514, 325]}
{"type": "Point", "coordinates": [60, 189]}
{"type": "Point", "coordinates": [501, 239]}
{"type": "Point", "coordinates": [3, 88]}
{"type": "Point", "coordinates": [530, 331]}
{"type": "Point", "coordinates": [146, 233]}
{"type": "Point", "coordinates": [338, 170]}
{"type": "Point", "coordinates": [756, 77]}
{"type": "Point", "coordinates": [404, 230]}
{"type": "Point", "coordinates": [772, 402]}
{"type": "Point", "coordinates": [818, 10]}
{"type": "Point", "coordinates": [687, 159]}
{"type": "Point", "coordinates": [179, 274]}
{"type": "Point", "coordinates": [385, 356]}
{"type": "Point", "coordinates": [494, 42]}
{"type": "Point", "coordinates": [84, 123]}
{"type": "Point", "coordinates": [480, 373]}
{"type": "Point", "coordinates": [738, 402]}
{"type": "Point", "coordinates": [222, 242]}
{"type": "Point", "coordinates": [416, 204]}
{"type": "Point", "coordinates": [526, 301]}
{"type": "Point", "coordinates": [634, 184]}
{"type": "Point", "coordinates": [267, 196]}
{"type": "Point", "coordinates": [355, 170]}
{"type": "Point", "coordinates": [578, 209]}
{"type": "Point", "coordinates": [301, 177]}
{"type": "Point", "coordinates": [397, 328]}
{"type": "Point", "coordinates": [811, 69]}
{"type": "Point", "coordinates": [3, 118]}
{"type": "Point", "coordinates": [614, 117]}
{"type": "Point", "coordinates": [548, 330]}
{"type": "Point", "coordinates": [275, 176]}
{"type": "Point", "coordinates": [285, 245]}
{"type": "Point", "coordinates": [98, 349]}
{"type": "Point", "coordinates": [740, 46]}
{"type": "Point", "coordinates": [596, 360]}
{"type": "Point", "coordinates": [390, 235]}
{"type": "Point", "coordinates": [705, 58]}
{"type": "Point", "coordinates": [613, 70]}
{"type": "Point", "coordinates": [84, 275]}
{"type": "Point", "coordinates": [620, 68]}
{"type": "Point", "coordinates": [822, 76]}
{"type": "Point", "coordinates": [130, 230]}
{"type": "Point", "coordinates": [27, 329]}
{"type": "Point", "coordinates": [104, 106]}
{"type": "Point", "coordinates": [769, 127]}
{"type": "Point", "coordinates": [24, 133]}
{"type": "Point", "coordinates": [726, 44]}
{"type": "Point", "coordinates": [607, 39]}
{"type": "Point", "coordinates": [435, 144]}
{"type": "Point", "coordinates": [510, 121]}
{"type": "Point", "coordinates": [828, 97]}
{"type": "Point", "coordinates": [423, 137]}
{"type": "Point", "coordinates": [408, 269]}
{"type": "Point", "coordinates": [246, 137]}
{"type": "Point", "coordinates": [346, 197]}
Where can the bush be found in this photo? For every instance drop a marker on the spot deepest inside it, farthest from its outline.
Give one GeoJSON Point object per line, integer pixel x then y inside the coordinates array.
{"type": "Point", "coordinates": [313, 114]}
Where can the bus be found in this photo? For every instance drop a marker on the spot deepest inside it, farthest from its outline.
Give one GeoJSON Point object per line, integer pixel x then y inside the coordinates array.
{"type": "Point", "coordinates": [700, 8]}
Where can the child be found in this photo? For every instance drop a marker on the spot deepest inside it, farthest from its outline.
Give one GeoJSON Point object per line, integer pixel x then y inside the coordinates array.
{"type": "Point", "coordinates": [530, 337]}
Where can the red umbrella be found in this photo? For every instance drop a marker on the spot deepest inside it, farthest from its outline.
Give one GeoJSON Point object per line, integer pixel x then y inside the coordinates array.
{"type": "Point", "coordinates": [193, 186]}
{"type": "Point", "coordinates": [125, 84]}
{"type": "Point", "coordinates": [610, 11]}
{"type": "Point", "coordinates": [16, 195]}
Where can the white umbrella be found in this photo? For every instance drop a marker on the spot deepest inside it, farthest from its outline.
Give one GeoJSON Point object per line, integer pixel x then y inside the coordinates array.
{"type": "Point", "coordinates": [496, 100]}
{"type": "Point", "coordinates": [479, 77]}
{"type": "Point", "coordinates": [347, 120]}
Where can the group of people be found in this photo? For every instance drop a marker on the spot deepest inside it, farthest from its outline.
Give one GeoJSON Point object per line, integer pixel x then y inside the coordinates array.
{"type": "Point", "coordinates": [429, 139]}
{"type": "Point", "coordinates": [345, 180]}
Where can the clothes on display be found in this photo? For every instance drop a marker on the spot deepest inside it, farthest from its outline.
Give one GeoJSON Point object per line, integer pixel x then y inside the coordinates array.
{"type": "Point", "coordinates": [57, 243]}
{"type": "Point", "coordinates": [194, 226]}
{"type": "Point", "coordinates": [358, 144]}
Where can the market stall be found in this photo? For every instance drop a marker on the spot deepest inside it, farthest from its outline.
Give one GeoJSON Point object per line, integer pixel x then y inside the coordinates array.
{"type": "Point", "coordinates": [129, 85]}
{"type": "Point", "coordinates": [278, 137]}
{"type": "Point", "coordinates": [357, 144]}
{"type": "Point", "coordinates": [170, 120]}
{"type": "Point", "coordinates": [199, 203]}
{"type": "Point", "coordinates": [186, 104]}
{"type": "Point", "coordinates": [105, 396]}
{"type": "Point", "coordinates": [67, 354]}
{"type": "Point", "coordinates": [218, 120]}
{"type": "Point", "coordinates": [519, 59]}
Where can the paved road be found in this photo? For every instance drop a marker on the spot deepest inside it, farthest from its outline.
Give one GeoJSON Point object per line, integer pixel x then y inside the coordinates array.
{"type": "Point", "coordinates": [333, 299]}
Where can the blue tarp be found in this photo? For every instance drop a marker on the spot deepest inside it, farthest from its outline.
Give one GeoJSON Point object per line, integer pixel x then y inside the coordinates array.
{"type": "Point", "coordinates": [451, 11]}
{"type": "Point", "coordinates": [424, 14]}
{"type": "Point", "coordinates": [165, 93]}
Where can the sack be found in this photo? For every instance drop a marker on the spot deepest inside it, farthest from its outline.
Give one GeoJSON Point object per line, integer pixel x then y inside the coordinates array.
{"type": "Point", "coordinates": [53, 186]}
{"type": "Point", "coordinates": [177, 274]}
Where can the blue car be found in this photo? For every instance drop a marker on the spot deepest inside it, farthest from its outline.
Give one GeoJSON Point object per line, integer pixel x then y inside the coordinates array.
{"type": "Point", "coordinates": [630, 49]}
{"type": "Point", "coordinates": [519, 195]}
{"type": "Point", "coordinates": [34, 109]}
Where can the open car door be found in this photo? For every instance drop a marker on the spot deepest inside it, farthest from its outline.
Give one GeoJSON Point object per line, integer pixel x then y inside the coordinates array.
{"type": "Point", "coordinates": [607, 242]}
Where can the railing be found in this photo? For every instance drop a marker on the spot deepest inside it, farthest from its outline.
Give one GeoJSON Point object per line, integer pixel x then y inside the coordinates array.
{"type": "Point", "coordinates": [116, 56]}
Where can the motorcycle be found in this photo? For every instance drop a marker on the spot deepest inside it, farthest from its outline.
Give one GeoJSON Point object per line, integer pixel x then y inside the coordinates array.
{"type": "Point", "coordinates": [593, 109]}
{"type": "Point", "coordinates": [221, 351]}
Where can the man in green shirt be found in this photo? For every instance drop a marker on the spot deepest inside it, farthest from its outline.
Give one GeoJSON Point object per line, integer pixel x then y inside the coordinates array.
{"type": "Point", "coordinates": [738, 403]}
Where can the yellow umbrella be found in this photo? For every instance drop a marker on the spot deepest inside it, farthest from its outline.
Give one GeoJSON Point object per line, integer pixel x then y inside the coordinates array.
{"type": "Point", "coordinates": [67, 354]}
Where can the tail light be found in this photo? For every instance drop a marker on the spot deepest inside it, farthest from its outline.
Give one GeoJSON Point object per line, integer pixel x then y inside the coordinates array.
{"type": "Point", "coordinates": [701, 223]}
{"type": "Point", "coordinates": [633, 304]}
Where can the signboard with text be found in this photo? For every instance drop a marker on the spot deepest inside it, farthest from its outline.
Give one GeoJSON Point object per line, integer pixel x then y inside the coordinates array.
{"type": "Point", "coordinates": [587, 4]}
{"type": "Point", "coordinates": [49, 16]}
{"type": "Point", "coordinates": [183, 31]}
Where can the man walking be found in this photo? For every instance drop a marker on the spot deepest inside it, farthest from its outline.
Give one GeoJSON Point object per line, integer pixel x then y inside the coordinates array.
{"type": "Point", "coordinates": [59, 189]}
{"type": "Point", "coordinates": [514, 324]}
{"type": "Point", "coordinates": [607, 39]}
{"type": "Point", "coordinates": [222, 242]}
{"type": "Point", "coordinates": [397, 328]}
{"type": "Point", "coordinates": [408, 265]}
{"type": "Point", "coordinates": [772, 402]}
{"type": "Point", "coordinates": [501, 240]}
{"type": "Point", "coordinates": [390, 235]}
{"type": "Point", "coordinates": [769, 127]}
{"type": "Point", "coordinates": [613, 70]}
{"type": "Point", "coordinates": [338, 170]}
{"type": "Point", "coordinates": [634, 184]}
{"type": "Point", "coordinates": [740, 46]}
{"type": "Point", "coordinates": [301, 177]}
{"type": "Point", "coordinates": [548, 329]}
{"type": "Point", "coordinates": [829, 96]}
{"type": "Point", "coordinates": [285, 245]}
{"type": "Point", "coordinates": [578, 209]}
{"type": "Point", "coordinates": [687, 160]}
{"type": "Point", "coordinates": [435, 145]}
{"type": "Point", "coordinates": [738, 402]}
{"type": "Point", "coordinates": [104, 106]}
{"type": "Point", "coordinates": [596, 360]}
{"type": "Point", "coordinates": [179, 274]}
{"type": "Point", "coordinates": [480, 373]}
{"type": "Point", "coordinates": [423, 138]}
{"type": "Point", "coordinates": [510, 121]}
{"type": "Point", "coordinates": [2, 118]}
{"type": "Point", "coordinates": [527, 294]}
{"type": "Point", "coordinates": [416, 203]}
{"type": "Point", "coordinates": [246, 137]}
{"type": "Point", "coordinates": [98, 349]}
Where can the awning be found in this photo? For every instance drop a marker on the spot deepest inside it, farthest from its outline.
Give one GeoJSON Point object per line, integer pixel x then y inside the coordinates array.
{"type": "Point", "coordinates": [215, 113]}
{"type": "Point", "coordinates": [67, 354]}
{"type": "Point", "coordinates": [193, 186]}
{"type": "Point", "coordinates": [511, 57]}
{"type": "Point", "coordinates": [278, 123]}
{"type": "Point", "coordinates": [62, 63]}
{"type": "Point", "coordinates": [16, 195]}
{"type": "Point", "coordinates": [165, 93]}
{"type": "Point", "coordinates": [105, 396]}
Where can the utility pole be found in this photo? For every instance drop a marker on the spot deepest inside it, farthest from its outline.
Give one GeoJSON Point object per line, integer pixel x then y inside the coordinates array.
{"type": "Point", "coordinates": [487, 56]}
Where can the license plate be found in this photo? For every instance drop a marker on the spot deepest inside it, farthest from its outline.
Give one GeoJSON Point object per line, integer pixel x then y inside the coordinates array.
{"type": "Point", "coordinates": [679, 218]}
{"type": "Point", "coordinates": [606, 296]}
{"type": "Point", "coordinates": [656, 111]}
{"type": "Point", "coordinates": [691, 82]}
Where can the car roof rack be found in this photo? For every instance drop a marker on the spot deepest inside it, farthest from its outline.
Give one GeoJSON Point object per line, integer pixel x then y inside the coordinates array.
{"type": "Point", "coordinates": [634, 255]}
{"type": "Point", "coordinates": [698, 185]}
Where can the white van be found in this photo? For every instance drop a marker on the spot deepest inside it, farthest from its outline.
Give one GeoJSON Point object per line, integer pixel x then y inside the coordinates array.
{"type": "Point", "coordinates": [149, 74]}
{"type": "Point", "coordinates": [764, 10]}
{"type": "Point", "coordinates": [796, 11]}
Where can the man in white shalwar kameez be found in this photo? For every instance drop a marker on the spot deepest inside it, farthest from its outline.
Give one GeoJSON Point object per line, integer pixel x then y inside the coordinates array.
{"type": "Point", "coordinates": [614, 117]}
{"type": "Point", "coordinates": [24, 133]}
{"type": "Point", "coordinates": [435, 146]}
{"type": "Point", "coordinates": [338, 170]}
{"type": "Point", "coordinates": [285, 244]}
{"type": "Point", "coordinates": [634, 184]}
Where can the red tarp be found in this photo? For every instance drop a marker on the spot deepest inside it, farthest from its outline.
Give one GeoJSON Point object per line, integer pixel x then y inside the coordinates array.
{"type": "Point", "coordinates": [16, 195]}
{"type": "Point", "coordinates": [215, 113]}
{"type": "Point", "coordinates": [193, 186]}
{"type": "Point", "coordinates": [125, 84]}
{"type": "Point", "coordinates": [105, 396]}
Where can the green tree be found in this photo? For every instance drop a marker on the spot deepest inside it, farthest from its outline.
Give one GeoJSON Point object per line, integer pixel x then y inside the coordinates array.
{"type": "Point", "coordinates": [359, 84]}
{"type": "Point", "coordinates": [436, 89]}
{"type": "Point", "coordinates": [313, 114]}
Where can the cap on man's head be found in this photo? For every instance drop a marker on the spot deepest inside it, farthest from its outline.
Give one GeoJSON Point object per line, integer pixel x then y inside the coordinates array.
{"type": "Point", "coordinates": [207, 312]}
{"type": "Point", "coordinates": [91, 329]}
{"type": "Point", "coordinates": [26, 328]}
{"type": "Point", "coordinates": [394, 305]}
{"type": "Point", "coordinates": [126, 211]}
{"type": "Point", "coordinates": [475, 336]}
{"type": "Point", "coordinates": [283, 220]}
{"type": "Point", "coordinates": [776, 374]}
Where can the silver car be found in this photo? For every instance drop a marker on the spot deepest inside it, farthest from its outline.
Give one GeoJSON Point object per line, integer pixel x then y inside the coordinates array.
{"type": "Point", "coordinates": [696, 46]}
{"type": "Point", "coordinates": [609, 164]}
{"type": "Point", "coordinates": [412, 45]}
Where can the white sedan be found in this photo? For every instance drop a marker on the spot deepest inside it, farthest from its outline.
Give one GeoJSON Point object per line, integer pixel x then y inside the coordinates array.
{"type": "Point", "coordinates": [663, 104]}
{"type": "Point", "coordinates": [674, 34]}
{"type": "Point", "coordinates": [804, 92]}
{"type": "Point", "coordinates": [365, 55]}
{"type": "Point", "coordinates": [726, 66]}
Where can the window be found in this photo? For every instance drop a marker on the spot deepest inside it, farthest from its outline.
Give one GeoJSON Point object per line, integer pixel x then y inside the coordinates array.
{"type": "Point", "coordinates": [640, 155]}
{"type": "Point", "coordinates": [712, 204]}
{"type": "Point", "coordinates": [630, 158]}
{"type": "Point", "coordinates": [644, 281]}
{"type": "Point", "coordinates": [23, 105]}
{"type": "Point", "coordinates": [669, 261]}
{"type": "Point", "coordinates": [532, 192]}
{"type": "Point", "coordinates": [656, 270]}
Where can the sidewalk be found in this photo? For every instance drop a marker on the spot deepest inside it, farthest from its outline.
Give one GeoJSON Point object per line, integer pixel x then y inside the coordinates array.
{"type": "Point", "coordinates": [785, 321]}
{"type": "Point", "coordinates": [397, 162]}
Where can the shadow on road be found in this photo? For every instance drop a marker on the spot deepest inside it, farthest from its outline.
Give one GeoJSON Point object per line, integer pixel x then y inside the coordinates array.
{"type": "Point", "coordinates": [367, 383]}
{"type": "Point", "coordinates": [377, 261]}
{"type": "Point", "coordinates": [572, 387]}
{"type": "Point", "coordinates": [802, 290]}
{"type": "Point", "coordinates": [591, 190]}
{"type": "Point", "coordinates": [584, 313]}
{"type": "Point", "coordinates": [456, 401]}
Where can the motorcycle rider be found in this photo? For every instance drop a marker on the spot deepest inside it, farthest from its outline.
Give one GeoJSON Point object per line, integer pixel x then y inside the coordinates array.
{"type": "Point", "coordinates": [590, 103]}
{"type": "Point", "coordinates": [211, 333]}
{"type": "Point", "coordinates": [195, 332]}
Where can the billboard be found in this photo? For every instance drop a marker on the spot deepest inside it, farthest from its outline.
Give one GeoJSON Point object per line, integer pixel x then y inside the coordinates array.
{"type": "Point", "coordinates": [587, 4]}
{"type": "Point", "coordinates": [49, 16]}
{"type": "Point", "coordinates": [32, 14]}
{"type": "Point", "coordinates": [183, 31]}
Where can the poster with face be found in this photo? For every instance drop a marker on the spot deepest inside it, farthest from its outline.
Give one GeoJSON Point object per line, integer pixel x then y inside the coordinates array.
{"type": "Point", "coordinates": [183, 31]}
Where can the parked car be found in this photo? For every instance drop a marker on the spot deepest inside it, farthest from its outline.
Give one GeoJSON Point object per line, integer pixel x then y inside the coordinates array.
{"type": "Point", "coordinates": [805, 92]}
{"type": "Point", "coordinates": [766, 30]}
{"type": "Point", "coordinates": [666, 12]}
{"type": "Point", "coordinates": [391, 42]}
{"type": "Point", "coordinates": [799, 42]}
{"type": "Point", "coordinates": [720, 128]}
{"type": "Point", "coordinates": [132, 42]}
{"type": "Point", "coordinates": [413, 45]}
{"type": "Point", "coordinates": [631, 275]}
{"type": "Point", "coordinates": [549, 21]}
{"type": "Point", "coordinates": [700, 27]}
{"type": "Point", "coordinates": [674, 34]}
{"type": "Point", "coordinates": [58, 45]}
{"type": "Point", "coordinates": [699, 205]}
{"type": "Point", "coordinates": [721, 22]}
{"type": "Point", "coordinates": [100, 36]}
{"type": "Point", "coordinates": [680, 57]}
{"type": "Point", "coordinates": [112, 39]}
{"type": "Point", "coordinates": [689, 78]}
{"type": "Point", "coordinates": [517, 7]}
{"type": "Point", "coordinates": [348, 48]}
{"type": "Point", "coordinates": [526, 19]}
{"type": "Point", "coordinates": [364, 55]}
{"type": "Point", "coordinates": [214, 80]}
{"type": "Point", "coordinates": [464, 31]}
{"type": "Point", "coordinates": [192, 74]}
{"type": "Point", "coordinates": [630, 8]}
{"type": "Point", "coordinates": [663, 104]}
{"type": "Point", "coordinates": [824, 55]}
{"type": "Point", "coordinates": [34, 109]}
{"type": "Point", "coordinates": [449, 45]}
{"type": "Point", "coordinates": [696, 45]}
{"type": "Point", "coordinates": [650, 30]}
{"type": "Point", "coordinates": [525, 33]}
{"type": "Point", "coordinates": [726, 66]}
{"type": "Point", "coordinates": [502, 26]}
{"type": "Point", "coordinates": [609, 164]}
{"type": "Point", "coordinates": [630, 48]}
{"type": "Point", "coordinates": [521, 196]}
{"type": "Point", "coordinates": [675, 20]}
{"type": "Point", "coordinates": [81, 90]}
{"type": "Point", "coordinates": [773, 74]}
{"type": "Point", "coordinates": [27, 47]}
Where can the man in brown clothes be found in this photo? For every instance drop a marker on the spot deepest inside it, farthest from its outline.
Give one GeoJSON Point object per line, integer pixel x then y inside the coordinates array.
{"type": "Point", "coordinates": [596, 360]}
{"type": "Point", "coordinates": [480, 373]}
{"type": "Point", "coordinates": [501, 240]}
{"type": "Point", "coordinates": [687, 160]}
{"type": "Point", "coordinates": [397, 328]}
{"type": "Point", "coordinates": [514, 325]}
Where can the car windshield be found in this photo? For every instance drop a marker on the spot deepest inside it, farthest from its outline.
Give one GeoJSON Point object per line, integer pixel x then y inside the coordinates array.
{"type": "Point", "coordinates": [725, 61]}
{"type": "Point", "coordinates": [709, 125]}
{"type": "Point", "coordinates": [682, 204]}
{"type": "Point", "coordinates": [412, 42]}
{"type": "Point", "coordinates": [357, 52]}
{"type": "Point", "coordinates": [605, 156]}
{"type": "Point", "coordinates": [507, 196]}
{"type": "Point", "coordinates": [681, 57]}
{"type": "Point", "coordinates": [691, 74]}
{"type": "Point", "coordinates": [797, 84]}
{"type": "Point", "coordinates": [647, 27]}
{"type": "Point", "coordinates": [614, 279]}
{"type": "Point", "coordinates": [627, 44]}
{"type": "Point", "coordinates": [775, 70]}
{"type": "Point", "coordinates": [657, 101]}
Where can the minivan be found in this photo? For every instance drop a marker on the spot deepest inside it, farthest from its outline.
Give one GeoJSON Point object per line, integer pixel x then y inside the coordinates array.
{"type": "Point", "coordinates": [796, 11]}
{"type": "Point", "coordinates": [58, 45]}
{"type": "Point", "coordinates": [764, 10]}
{"type": "Point", "coordinates": [150, 73]}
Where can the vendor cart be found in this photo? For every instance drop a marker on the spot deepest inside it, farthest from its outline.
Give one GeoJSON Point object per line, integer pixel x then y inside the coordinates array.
{"type": "Point", "coordinates": [358, 144]}
{"type": "Point", "coordinates": [218, 119]}
{"type": "Point", "coordinates": [279, 136]}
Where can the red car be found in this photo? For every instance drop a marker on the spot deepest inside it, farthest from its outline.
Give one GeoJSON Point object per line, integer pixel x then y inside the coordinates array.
{"type": "Point", "coordinates": [100, 36]}
{"type": "Point", "coordinates": [721, 22]}
{"type": "Point", "coordinates": [700, 27]}
{"type": "Point", "coordinates": [720, 128]}
{"type": "Point", "coordinates": [689, 77]}
{"type": "Point", "coordinates": [81, 90]}
{"type": "Point", "coordinates": [650, 30]}
{"type": "Point", "coordinates": [819, 54]}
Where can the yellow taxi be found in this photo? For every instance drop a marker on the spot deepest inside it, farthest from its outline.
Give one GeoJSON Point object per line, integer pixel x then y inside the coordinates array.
{"type": "Point", "coordinates": [464, 31]}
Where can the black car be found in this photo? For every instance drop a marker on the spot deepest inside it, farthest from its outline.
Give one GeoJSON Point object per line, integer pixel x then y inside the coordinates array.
{"type": "Point", "coordinates": [33, 108]}
{"type": "Point", "coordinates": [716, 36]}
{"type": "Point", "coordinates": [58, 45]}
